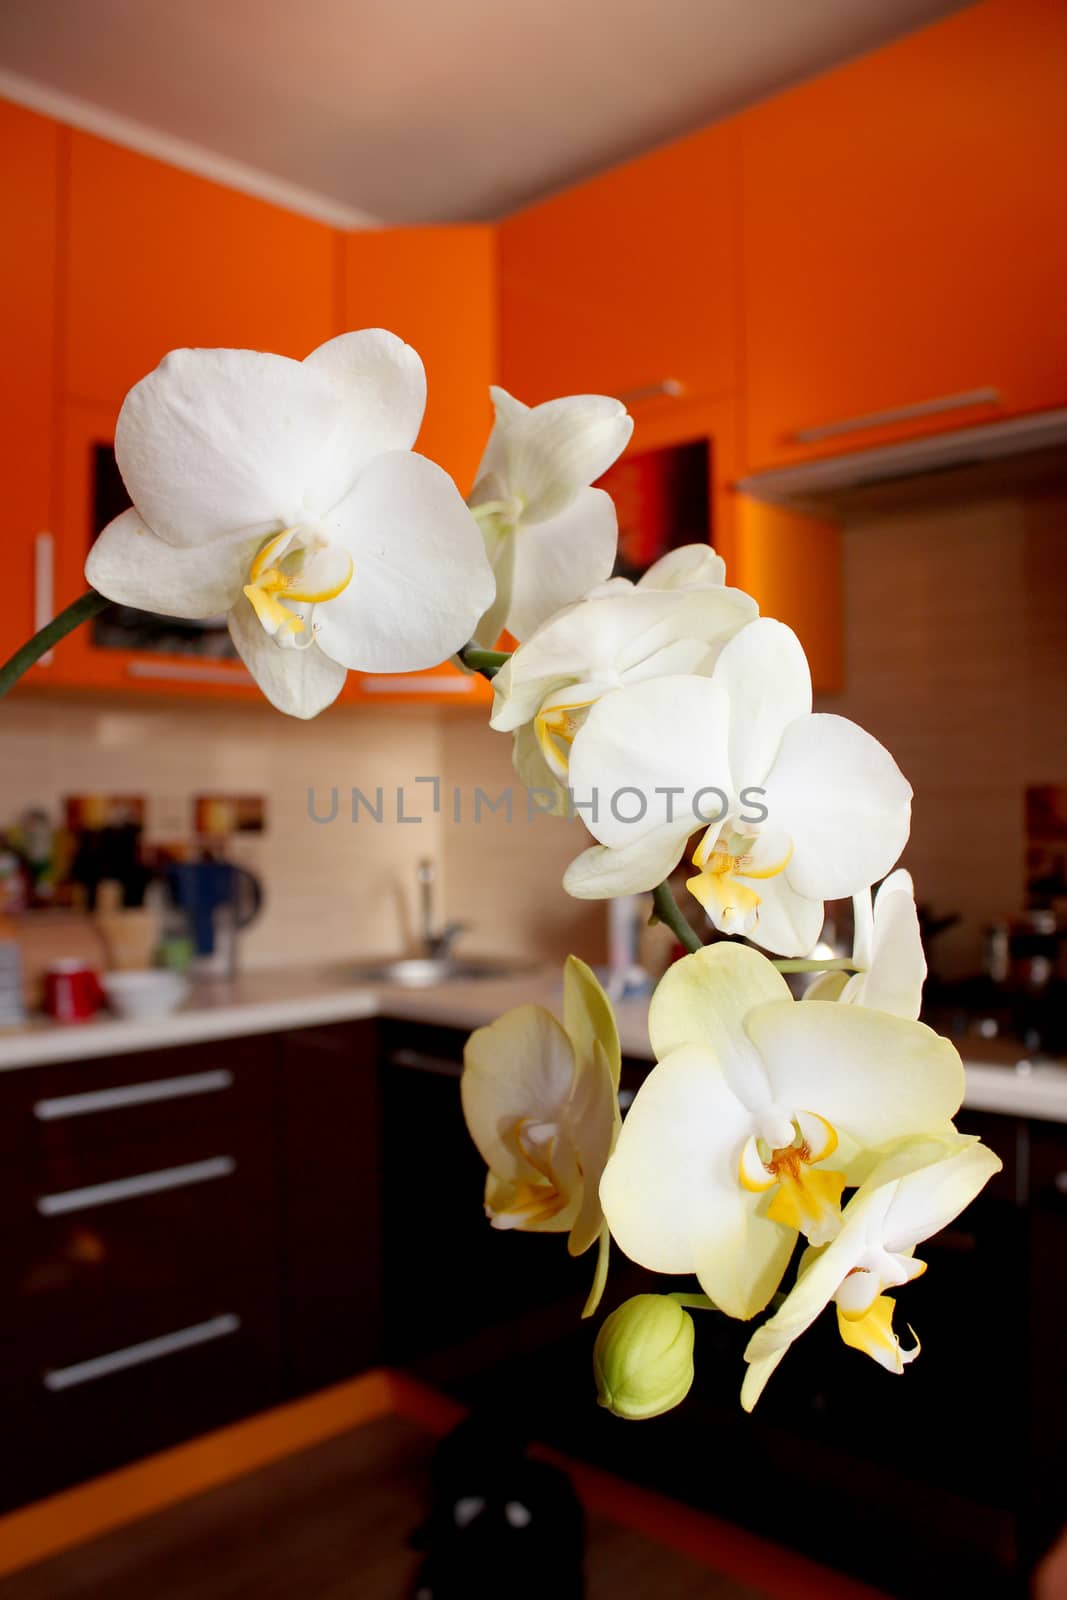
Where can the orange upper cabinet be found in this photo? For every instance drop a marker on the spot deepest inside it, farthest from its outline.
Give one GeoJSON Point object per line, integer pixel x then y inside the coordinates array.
{"type": "Point", "coordinates": [627, 282]}
{"type": "Point", "coordinates": [904, 239]}
{"type": "Point", "coordinates": [158, 258]}
{"type": "Point", "coordinates": [435, 288]}
{"type": "Point", "coordinates": [29, 173]}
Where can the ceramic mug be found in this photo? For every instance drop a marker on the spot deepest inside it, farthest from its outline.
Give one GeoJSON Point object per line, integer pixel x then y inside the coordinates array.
{"type": "Point", "coordinates": [72, 991]}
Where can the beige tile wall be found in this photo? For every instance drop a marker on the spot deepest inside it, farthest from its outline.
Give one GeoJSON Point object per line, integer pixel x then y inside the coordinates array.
{"type": "Point", "coordinates": [336, 889]}
{"type": "Point", "coordinates": [956, 660]}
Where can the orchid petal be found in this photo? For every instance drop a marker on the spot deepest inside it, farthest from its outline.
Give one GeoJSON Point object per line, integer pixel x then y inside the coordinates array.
{"type": "Point", "coordinates": [927, 1200]}
{"type": "Point", "coordinates": [691, 566]}
{"type": "Point", "coordinates": [420, 578]}
{"type": "Point", "coordinates": [600, 873]}
{"type": "Point", "coordinates": [216, 442]}
{"type": "Point", "coordinates": [519, 1068]}
{"type": "Point", "coordinates": [134, 567]}
{"type": "Point", "coordinates": [558, 559]}
{"type": "Point", "coordinates": [897, 966]}
{"type": "Point", "coordinates": [380, 389]}
{"type": "Point", "coordinates": [874, 1077]}
{"type": "Point", "coordinates": [299, 681]}
{"type": "Point", "coordinates": [765, 673]}
{"type": "Point", "coordinates": [593, 1124]}
{"type": "Point", "coordinates": [703, 1000]}
{"type": "Point", "coordinates": [844, 801]}
{"type": "Point", "coordinates": [664, 739]}
{"type": "Point", "coordinates": [787, 923]}
{"type": "Point", "coordinates": [588, 1017]}
{"type": "Point", "coordinates": [670, 1191]}
{"type": "Point", "coordinates": [549, 452]}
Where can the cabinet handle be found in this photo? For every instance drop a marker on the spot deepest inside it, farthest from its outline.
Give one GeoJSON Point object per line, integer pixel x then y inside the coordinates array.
{"type": "Point", "coordinates": [652, 391]}
{"type": "Point", "coordinates": [105, 1194]}
{"type": "Point", "coordinates": [884, 419]}
{"type": "Point", "coordinates": [415, 1061]}
{"type": "Point", "coordinates": [418, 685]}
{"type": "Point", "coordinates": [131, 1094]}
{"type": "Point", "coordinates": [44, 587]}
{"type": "Point", "coordinates": [188, 672]}
{"type": "Point", "coordinates": [135, 1355]}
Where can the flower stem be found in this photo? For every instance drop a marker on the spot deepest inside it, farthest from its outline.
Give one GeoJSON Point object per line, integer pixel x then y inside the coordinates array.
{"type": "Point", "coordinates": [694, 1302]}
{"type": "Point", "coordinates": [667, 911]}
{"type": "Point", "coordinates": [816, 964]}
{"type": "Point", "coordinates": [79, 611]}
{"type": "Point", "coordinates": [487, 662]}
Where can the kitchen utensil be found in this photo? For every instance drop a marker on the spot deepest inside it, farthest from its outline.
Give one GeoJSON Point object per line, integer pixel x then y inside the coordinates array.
{"type": "Point", "coordinates": [150, 992]}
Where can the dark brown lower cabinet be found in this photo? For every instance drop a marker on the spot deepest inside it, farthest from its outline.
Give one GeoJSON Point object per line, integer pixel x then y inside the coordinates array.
{"type": "Point", "coordinates": [187, 1236]}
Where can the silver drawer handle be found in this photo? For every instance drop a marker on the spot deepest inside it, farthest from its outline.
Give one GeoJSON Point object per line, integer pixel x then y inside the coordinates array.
{"type": "Point", "coordinates": [419, 685]}
{"type": "Point", "coordinates": [884, 419]}
{"type": "Point", "coordinates": [415, 1061]}
{"type": "Point", "coordinates": [652, 391]}
{"type": "Point", "coordinates": [105, 1194]}
{"type": "Point", "coordinates": [188, 672]}
{"type": "Point", "coordinates": [131, 1094]}
{"type": "Point", "coordinates": [44, 586]}
{"type": "Point", "coordinates": [135, 1355]}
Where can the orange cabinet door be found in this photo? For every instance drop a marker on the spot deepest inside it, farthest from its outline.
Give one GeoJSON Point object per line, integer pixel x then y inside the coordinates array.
{"type": "Point", "coordinates": [905, 238]}
{"type": "Point", "coordinates": [628, 282]}
{"type": "Point", "coordinates": [435, 288]}
{"type": "Point", "coordinates": [158, 258]}
{"type": "Point", "coordinates": [29, 177]}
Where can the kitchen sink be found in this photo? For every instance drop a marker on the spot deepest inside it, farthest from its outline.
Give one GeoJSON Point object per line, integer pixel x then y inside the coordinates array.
{"type": "Point", "coordinates": [424, 972]}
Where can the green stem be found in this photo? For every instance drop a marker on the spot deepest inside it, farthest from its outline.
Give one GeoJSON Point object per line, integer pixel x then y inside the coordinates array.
{"type": "Point", "coordinates": [694, 1302]}
{"type": "Point", "coordinates": [830, 964]}
{"type": "Point", "coordinates": [79, 611]}
{"type": "Point", "coordinates": [487, 662]}
{"type": "Point", "coordinates": [667, 911]}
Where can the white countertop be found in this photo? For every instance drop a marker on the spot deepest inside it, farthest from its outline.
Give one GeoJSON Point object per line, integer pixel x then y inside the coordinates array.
{"type": "Point", "coordinates": [266, 1002]}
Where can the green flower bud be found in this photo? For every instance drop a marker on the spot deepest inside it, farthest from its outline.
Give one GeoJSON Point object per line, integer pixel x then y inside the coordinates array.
{"type": "Point", "coordinates": [643, 1357]}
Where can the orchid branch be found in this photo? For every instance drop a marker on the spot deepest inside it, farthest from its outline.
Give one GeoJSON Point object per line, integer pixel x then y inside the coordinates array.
{"type": "Point", "coordinates": [668, 913]}
{"type": "Point", "coordinates": [487, 662]}
{"type": "Point", "coordinates": [79, 611]}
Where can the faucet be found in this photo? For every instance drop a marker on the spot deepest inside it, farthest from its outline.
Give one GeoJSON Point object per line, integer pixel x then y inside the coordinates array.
{"type": "Point", "coordinates": [436, 943]}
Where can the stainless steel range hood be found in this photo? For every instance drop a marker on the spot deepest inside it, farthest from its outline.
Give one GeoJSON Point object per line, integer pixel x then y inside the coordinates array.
{"type": "Point", "coordinates": [817, 482]}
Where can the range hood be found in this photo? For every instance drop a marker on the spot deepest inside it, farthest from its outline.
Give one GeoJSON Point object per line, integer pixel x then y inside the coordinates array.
{"type": "Point", "coordinates": [816, 482]}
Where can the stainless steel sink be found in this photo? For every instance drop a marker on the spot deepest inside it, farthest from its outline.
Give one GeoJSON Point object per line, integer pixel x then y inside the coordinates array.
{"type": "Point", "coordinates": [424, 972]}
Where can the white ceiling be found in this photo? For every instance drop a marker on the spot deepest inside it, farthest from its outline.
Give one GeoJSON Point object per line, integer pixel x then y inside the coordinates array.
{"type": "Point", "coordinates": [420, 110]}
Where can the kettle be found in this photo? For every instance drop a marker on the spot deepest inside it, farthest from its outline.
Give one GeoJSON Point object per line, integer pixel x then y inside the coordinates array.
{"type": "Point", "coordinates": [218, 899]}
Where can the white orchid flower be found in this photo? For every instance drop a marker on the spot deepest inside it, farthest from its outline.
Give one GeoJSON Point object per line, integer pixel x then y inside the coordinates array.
{"type": "Point", "coordinates": [887, 950]}
{"type": "Point", "coordinates": [624, 635]}
{"type": "Point", "coordinates": [915, 1191]}
{"type": "Point", "coordinates": [795, 808]}
{"type": "Point", "coordinates": [762, 1109]}
{"type": "Point", "coordinates": [285, 494]}
{"type": "Point", "coordinates": [690, 566]}
{"type": "Point", "coordinates": [541, 1103]}
{"type": "Point", "coordinates": [549, 536]}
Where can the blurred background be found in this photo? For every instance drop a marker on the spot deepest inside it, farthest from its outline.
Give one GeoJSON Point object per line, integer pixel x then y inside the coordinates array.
{"type": "Point", "coordinates": [820, 252]}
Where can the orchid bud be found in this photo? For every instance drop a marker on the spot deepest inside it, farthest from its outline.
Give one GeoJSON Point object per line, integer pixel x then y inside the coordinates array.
{"type": "Point", "coordinates": [643, 1357]}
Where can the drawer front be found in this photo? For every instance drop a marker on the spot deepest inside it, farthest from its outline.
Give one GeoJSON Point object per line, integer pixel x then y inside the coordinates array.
{"type": "Point", "coordinates": [108, 1402]}
{"type": "Point", "coordinates": [78, 1126]}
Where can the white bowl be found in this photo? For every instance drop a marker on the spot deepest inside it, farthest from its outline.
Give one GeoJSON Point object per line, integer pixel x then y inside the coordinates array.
{"type": "Point", "coordinates": [147, 992]}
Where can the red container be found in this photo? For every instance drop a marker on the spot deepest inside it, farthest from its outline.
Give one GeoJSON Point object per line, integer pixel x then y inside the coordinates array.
{"type": "Point", "coordinates": [72, 991]}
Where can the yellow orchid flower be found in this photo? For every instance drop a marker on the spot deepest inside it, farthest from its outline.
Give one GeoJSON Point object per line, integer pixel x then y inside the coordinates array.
{"type": "Point", "coordinates": [541, 1103]}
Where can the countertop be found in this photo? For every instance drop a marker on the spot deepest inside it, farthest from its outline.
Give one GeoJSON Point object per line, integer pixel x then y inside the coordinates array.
{"type": "Point", "coordinates": [999, 1077]}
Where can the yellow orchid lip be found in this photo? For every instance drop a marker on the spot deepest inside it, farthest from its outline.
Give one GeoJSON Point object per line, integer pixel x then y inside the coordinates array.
{"type": "Point", "coordinates": [806, 1200]}
{"type": "Point", "coordinates": [270, 586]}
{"type": "Point", "coordinates": [725, 871]}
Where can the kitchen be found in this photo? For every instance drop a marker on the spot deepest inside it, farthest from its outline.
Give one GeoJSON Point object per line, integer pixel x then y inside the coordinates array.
{"type": "Point", "coordinates": [845, 296]}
